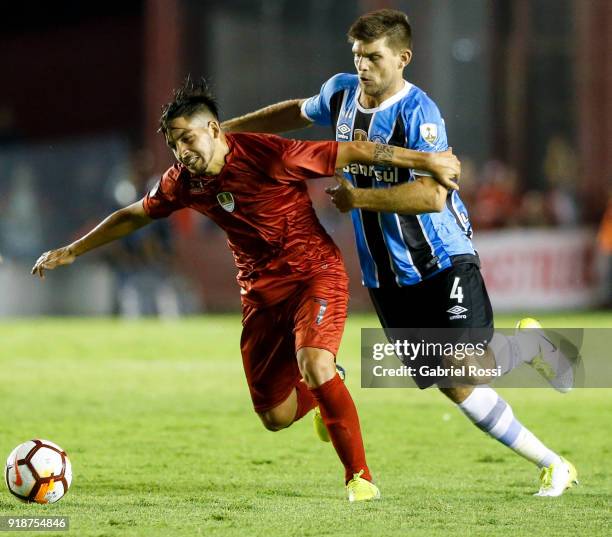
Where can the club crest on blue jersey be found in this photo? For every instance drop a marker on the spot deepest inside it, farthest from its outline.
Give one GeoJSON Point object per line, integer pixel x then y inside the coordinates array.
{"type": "Point", "coordinates": [378, 139]}
{"type": "Point", "coordinates": [429, 132]}
{"type": "Point", "coordinates": [359, 135]}
{"type": "Point", "coordinates": [226, 200]}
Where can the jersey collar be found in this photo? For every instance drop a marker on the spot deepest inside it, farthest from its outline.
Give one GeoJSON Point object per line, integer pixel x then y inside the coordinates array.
{"type": "Point", "coordinates": [387, 102]}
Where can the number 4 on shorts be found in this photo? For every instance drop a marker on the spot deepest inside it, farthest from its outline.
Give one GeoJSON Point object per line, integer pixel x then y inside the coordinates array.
{"type": "Point", "coordinates": [457, 291]}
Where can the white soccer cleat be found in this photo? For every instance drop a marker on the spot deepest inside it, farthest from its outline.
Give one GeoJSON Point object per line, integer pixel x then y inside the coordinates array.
{"type": "Point", "coordinates": [557, 478]}
{"type": "Point", "coordinates": [549, 362]}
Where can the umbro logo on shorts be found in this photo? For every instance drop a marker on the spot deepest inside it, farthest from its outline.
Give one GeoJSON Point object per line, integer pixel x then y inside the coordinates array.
{"type": "Point", "coordinates": [457, 312]}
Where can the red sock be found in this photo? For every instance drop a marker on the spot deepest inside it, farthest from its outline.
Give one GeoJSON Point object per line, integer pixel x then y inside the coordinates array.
{"type": "Point", "coordinates": [340, 417]}
{"type": "Point", "coordinates": [305, 400]}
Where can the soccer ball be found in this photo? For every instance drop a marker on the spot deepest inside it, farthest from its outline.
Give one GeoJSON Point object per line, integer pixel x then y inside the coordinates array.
{"type": "Point", "coordinates": [38, 471]}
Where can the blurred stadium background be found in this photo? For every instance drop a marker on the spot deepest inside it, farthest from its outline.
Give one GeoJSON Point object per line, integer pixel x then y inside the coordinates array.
{"type": "Point", "coordinates": [525, 87]}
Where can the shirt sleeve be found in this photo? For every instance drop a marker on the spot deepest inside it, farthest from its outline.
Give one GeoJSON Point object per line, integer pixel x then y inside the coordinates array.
{"type": "Point", "coordinates": [426, 131]}
{"type": "Point", "coordinates": [300, 160]}
{"type": "Point", "coordinates": [317, 108]}
{"type": "Point", "coordinates": [162, 200]}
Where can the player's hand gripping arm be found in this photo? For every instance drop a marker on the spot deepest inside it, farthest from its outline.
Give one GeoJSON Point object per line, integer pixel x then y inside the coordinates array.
{"type": "Point", "coordinates": [118, 224]}
{"type": "Point", "coordinates": [424, 195]}
{"type": "Point", "coordinates": [280, 117]}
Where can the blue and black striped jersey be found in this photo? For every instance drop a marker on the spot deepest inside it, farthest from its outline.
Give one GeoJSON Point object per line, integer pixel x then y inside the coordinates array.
{"type": "Point", "coordinates": [394, 249]}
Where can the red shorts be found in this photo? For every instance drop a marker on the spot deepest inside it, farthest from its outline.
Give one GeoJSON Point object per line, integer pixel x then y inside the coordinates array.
{"type": "Point", "coordinates": [313, 316]}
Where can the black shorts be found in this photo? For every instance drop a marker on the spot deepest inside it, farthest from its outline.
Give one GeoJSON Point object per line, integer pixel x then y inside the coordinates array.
{"type": "Point", "coordinates": [455, 299]}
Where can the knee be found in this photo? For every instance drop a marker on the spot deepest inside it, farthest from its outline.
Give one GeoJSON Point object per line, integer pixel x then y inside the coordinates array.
{"type": "Point", "coordinates": [274, 421]}
{"type": "Point", "coordinates": [474, 372]}
{"type": "Point", "coordinates": [457, 394]}
{"type": "Point", "coordinates": [317, 366]}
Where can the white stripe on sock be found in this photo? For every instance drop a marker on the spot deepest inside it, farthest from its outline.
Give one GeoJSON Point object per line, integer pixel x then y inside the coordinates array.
{"type": "Point", "coordinates": [503, 423]}
{"type": "Point", "coordinates": [494, 416]}
{"type": "Point", "coordinates": [479, 403]}
{"type": "Point", "coordinates": [504, 351]}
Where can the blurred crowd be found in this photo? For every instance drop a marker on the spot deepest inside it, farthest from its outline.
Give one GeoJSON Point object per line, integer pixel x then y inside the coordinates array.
{"type": "Point", "coordinates": [497, 197]}
{"type": "Point", "coordinates": [604, 243]}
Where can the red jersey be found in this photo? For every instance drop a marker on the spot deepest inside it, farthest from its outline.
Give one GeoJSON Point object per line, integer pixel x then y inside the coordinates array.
{"type": "Point", "coordinates": [261, 201]}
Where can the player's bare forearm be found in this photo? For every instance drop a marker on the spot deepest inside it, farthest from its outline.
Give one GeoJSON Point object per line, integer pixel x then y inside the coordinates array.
{"type": "Point", "coordinates": [280, 117]}
{"type": "Point", "coordinates": [117, 225]}
{"type": "Point", "coordinates": [113, 227]}
{"type": "Point", "coordinates": [379, 154]}
{"type": "Point", "coordinates": [424, 195]}
{"type": "Point", "coordinates": [444, 166]}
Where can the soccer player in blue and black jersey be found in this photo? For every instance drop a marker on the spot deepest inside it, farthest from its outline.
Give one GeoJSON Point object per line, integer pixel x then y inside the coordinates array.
{"type": "Point", "coordinates": [413, 236]}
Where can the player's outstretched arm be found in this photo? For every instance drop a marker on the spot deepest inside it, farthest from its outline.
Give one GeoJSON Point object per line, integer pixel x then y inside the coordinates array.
{"type": "Point", "coordinates": [117, 225]}
{"type": "Point", "coordinates": [280, 117]}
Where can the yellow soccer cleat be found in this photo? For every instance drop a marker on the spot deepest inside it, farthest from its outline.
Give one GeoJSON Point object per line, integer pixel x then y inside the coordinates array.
{"type": "Point", "coordinates": [557, 478]}
{"type": "Point", "coordinates": [361, 490]}
{"type": "Point", "coordinates": [319, 426]}
{"type": "Point", "coordinates": [549, 362]}
{"type": "Point", "coordinates": [528, 322]}
{"type": "Point", "coordinates": [317, 419]}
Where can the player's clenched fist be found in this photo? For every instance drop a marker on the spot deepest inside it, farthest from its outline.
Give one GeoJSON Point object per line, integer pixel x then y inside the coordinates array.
{"type": "Point", "coordinates": [342, 195]}
{"type": "Point", "coordinates": [446, 168]}
{"type": "Point", "coordinates": [53, 258]}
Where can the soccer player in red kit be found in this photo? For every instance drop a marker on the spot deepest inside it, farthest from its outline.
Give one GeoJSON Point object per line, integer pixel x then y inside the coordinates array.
{"type": "Point", "coordinates": [293, 284]}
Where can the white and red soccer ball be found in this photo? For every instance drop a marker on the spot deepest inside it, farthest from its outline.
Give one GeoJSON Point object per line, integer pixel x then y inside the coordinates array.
{"type": "Point", "coordinates": [38, 471]}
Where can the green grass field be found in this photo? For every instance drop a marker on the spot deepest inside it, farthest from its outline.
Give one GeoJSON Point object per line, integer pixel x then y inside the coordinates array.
{"type": "Point", "coordinates": [157, 420]}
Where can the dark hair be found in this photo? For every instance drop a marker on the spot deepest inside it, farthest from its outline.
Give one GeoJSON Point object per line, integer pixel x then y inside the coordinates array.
{"type": "Point", "coordinates": [389, 23]}
{"type": "Point", "coordinates": [192, 97]}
